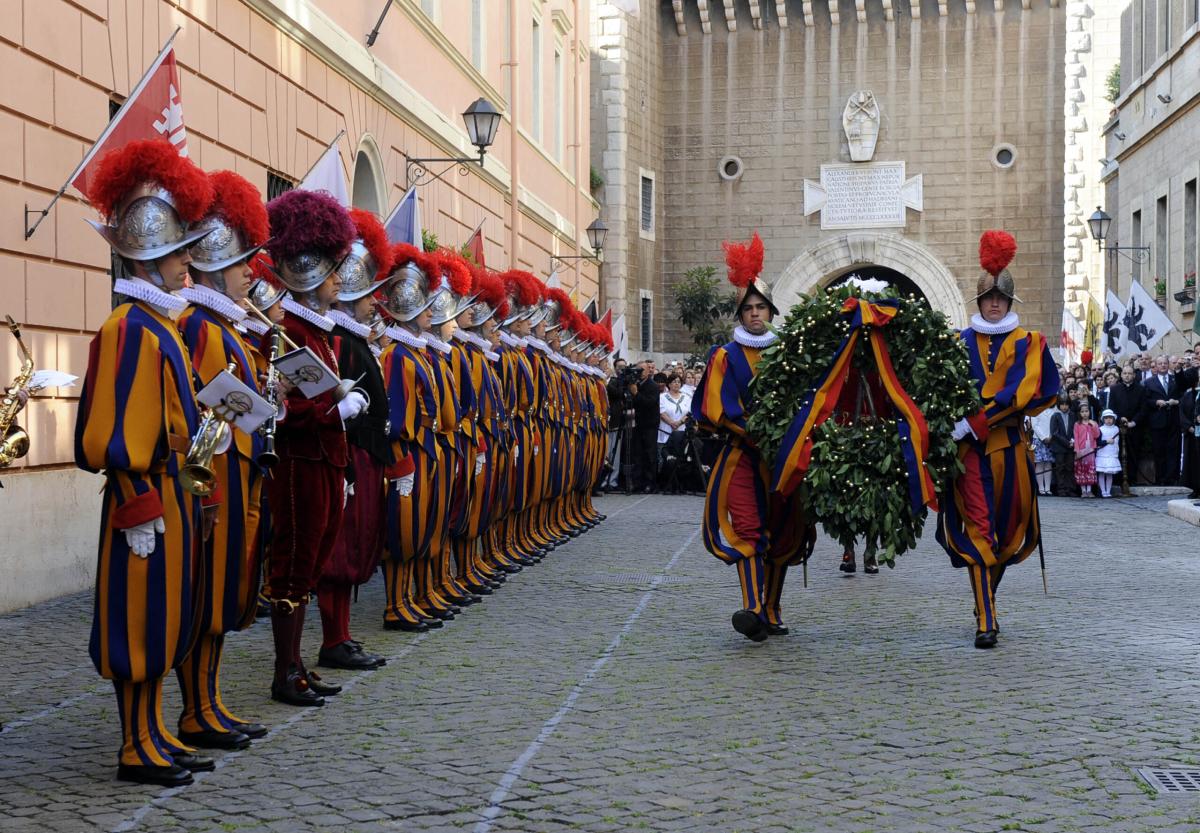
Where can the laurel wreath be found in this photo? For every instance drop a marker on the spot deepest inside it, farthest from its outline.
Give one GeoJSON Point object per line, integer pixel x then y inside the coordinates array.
{"type": "Point", "coordinates": [857, 483]}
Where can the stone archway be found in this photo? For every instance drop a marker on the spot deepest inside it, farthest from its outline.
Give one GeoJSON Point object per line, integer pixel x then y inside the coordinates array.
{"type": "Point", "coordinates": [367, 190]}
{"type": "Point", "coordinates": [838, 255]}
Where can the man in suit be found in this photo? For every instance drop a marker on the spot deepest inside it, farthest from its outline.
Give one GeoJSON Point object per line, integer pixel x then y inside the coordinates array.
{"type": "Point", "coordinates": [1127, 399]}
{"type": "Point", "coordinates": [1163, 390]}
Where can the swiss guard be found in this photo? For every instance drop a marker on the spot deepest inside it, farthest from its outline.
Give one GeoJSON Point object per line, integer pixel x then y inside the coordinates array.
{"type": "Point", "coordinates": [137, 413]}
{"type": "Point", "coordinates": [992, 520]}
{"type": "Point", "coordinates": [745, 524]}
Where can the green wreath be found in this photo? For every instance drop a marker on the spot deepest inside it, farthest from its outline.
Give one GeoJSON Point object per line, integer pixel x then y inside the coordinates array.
{"type": "Point", "coordinates": [856, 485]}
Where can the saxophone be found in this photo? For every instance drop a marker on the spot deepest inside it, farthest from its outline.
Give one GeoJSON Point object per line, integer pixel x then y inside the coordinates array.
{"type": "Point", "coordinates": [14, 441]}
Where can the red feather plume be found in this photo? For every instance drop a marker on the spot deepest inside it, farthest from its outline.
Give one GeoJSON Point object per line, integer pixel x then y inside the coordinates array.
{"type": "Point", "coordinates": [563, 299]}
{"type": "Point", "coordinates": [263, 267]}
{"type": "Point", "coordinates": [491, 291]}
{"type": "Point", "coordinates": [151, 160]}
{"type": "Point", "coordinates": [405, 253]}
{"type": "Point", "coordinates": [457, 272]}
{"type": "Point", "coordinates": [996, 250]}
{"type": "Point", "coordinates": [239, 203]}
{"type": "Point", "coordinates": [370, 232]}
{"type": "Point", "coordinates": [745, 260]}
{"type": "Point", "coordinates": [523, 286]}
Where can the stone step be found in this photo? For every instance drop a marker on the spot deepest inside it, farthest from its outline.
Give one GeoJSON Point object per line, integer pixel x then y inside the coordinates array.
{"type": "Point", "coordinates": [1159, 491]}
{"type": "Point", "coordinates": [1185, 510]}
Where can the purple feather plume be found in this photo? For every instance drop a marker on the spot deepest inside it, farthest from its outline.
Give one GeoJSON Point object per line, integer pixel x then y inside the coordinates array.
{"type": "Point", "coordinates": [308, 221]}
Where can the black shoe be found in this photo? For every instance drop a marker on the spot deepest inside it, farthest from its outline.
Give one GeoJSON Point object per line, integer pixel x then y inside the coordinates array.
{"type": "Point", "coordinates": [159, 776]}
{"type": "Point", "coordinates": [295, 692]}
{"type": "Point", "coordinates": [402, 625]}
{"type": "Point", "coordinates": [194, 763]}
{"type": "Point", "coordinates": [215, 740]}
{"type": "Point", "coordinates": [870, 565]}
{"type": "Point", "coordinates": [433, 624]}
{"type": "Point", "coordinates": [347, 655]}
{"type": "Point", "coordinates": [321, 688]}
{"type": "Point", "coordinates": [985, 639]}
{"type": "Point", "coordinates": [777, 630]}
{"type": "Point", "coordinates": [747, 623]}
{"type": "Point", "coordinates": [847, 565]}
{"type": "Point", "coordinates": [254, 731]}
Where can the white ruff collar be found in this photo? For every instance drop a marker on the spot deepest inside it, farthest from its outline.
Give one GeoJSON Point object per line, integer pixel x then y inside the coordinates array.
{"type": "Point", "coordinates": [165, 303]}
{"type": "Point", "coordinates": [210, 299]}
{"type": "Point", "coordinates": [513, 341]}
{"type": "Point", "coordinates": [311, 316]}
{"type": "Point", "coordinates": [436, 343]}
{"type": "Point", "coordinates": [347, 323]}
{"type": "Point", "coordinates": [495, 357]}
{"type": "Point", "coordinates": [376, 350]}
{"type": "Point", "coordinates": [253, 325]}
{"type": "Point", "coordinates": [406, 338]}
{"type": "Point", "coordinates": [539, 344]}
{"type": "Point", "coordinates": [470, 338]}
{"type": "Point", "coordinates": [1005, 325]}
{"type": "Point", "coordinates": [744, 338]}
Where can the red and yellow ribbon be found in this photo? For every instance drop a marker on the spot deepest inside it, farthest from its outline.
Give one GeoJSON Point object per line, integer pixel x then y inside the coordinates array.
{"type": "Point", "coordinates": [795, 454]}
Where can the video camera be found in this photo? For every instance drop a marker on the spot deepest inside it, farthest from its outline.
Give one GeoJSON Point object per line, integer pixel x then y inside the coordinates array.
{"type": "Point", "coordinates": [629, 375]}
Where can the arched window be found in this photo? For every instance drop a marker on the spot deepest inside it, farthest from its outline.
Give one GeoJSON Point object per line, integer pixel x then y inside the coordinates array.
{"type": "Point", "coordinates": [368, 177]}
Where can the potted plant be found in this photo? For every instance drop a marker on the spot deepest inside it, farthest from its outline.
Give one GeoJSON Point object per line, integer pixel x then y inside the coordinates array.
{"type": "Point", "coordinates": [1160, 291]}
{"type": "Point", "coordinates": [1187, 297]}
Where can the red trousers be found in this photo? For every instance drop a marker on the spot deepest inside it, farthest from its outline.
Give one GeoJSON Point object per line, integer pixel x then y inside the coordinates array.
{"type": "Point", "coordinates": [360, 541]}
{"type": "Point", "coordinates": [306, 514]}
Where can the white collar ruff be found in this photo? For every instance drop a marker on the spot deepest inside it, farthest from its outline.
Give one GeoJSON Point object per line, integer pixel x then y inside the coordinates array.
{"type": "Point", "coordinates": [436, 343]}
{"type": "Point", "coordinates": [210, 299]}
{"type": "Point", "coordinates": [513, 341]}
{"type": "Point", "coordinates": [376, 350]}
{"type": "Point", "coordinates": [347, 323]}
{"type": "Point", "coordinates": [469, 337]}
{"type": "Point", "coordinates": [311, 316]}
{"type": "Point", "coordinates": [164, 303]}
{"type": "Point", "coordinates": [743, 337]}
{"type": "Point", "coordinates": [255, 326]}
{"type": "Point", "coordinates": [406, 338]}
{"type": "Point", "coordinates": [539, 344]}
{"type": "Point", "coordinates": [1005, 325]}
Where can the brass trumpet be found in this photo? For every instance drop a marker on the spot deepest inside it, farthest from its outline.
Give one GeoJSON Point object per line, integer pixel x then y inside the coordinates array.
{"type": "Point", "coordinates": [197, 476]}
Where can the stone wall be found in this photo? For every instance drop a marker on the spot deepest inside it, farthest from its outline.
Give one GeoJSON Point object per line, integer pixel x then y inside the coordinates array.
{"type": "Point", "coordinates": [951, 88]}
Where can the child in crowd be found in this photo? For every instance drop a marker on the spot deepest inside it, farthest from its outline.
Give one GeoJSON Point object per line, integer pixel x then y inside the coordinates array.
{"type": "Point", "coordinates": [1043, 455]}
{"type": "Point", "coordinates": [1062, 441]}
{"type": "Point", "coordinates": [1087, 434]}
{"type": "Point", "coordinates": [1108, 455]}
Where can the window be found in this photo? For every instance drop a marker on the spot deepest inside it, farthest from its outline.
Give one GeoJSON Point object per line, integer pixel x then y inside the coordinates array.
{"type": "Point", "coordinates": [536, 64]}
{"type": "Point", "coordinates": [430, 7]}
{"type": "Point", "coordinates": [1190, 231]}
{"type": "Point", "coordinates": [1160, 238]}
{"type": "Point", "coordinates": [477, 58]}
{"type": "Point", "coordinates": [558, 105]}
{"type": "Point", "coordinates": [646, 228]}
{"type": "Point", "coordinates": [1135, 228]}
{"type": "Point", "coordinates": [647, 322]}
{"type": "Point", "coordinates": [1164, 26]}
{"type": "Point", "coordinates": [278, 184]}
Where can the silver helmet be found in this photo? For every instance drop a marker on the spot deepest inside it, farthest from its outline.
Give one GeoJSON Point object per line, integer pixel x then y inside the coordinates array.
{"type": "Point", "coordinates": [447, 306]}
{"type": "Point", "coordinates": [408, 295]}
{"type": "Point", "coordinates": [552, 314]}
{"type": "Point", "coordinates": [264, 295]}
{"type": "Point", "coordinates": [222, 247]}
{"type": "Point", "coordinates": [480, 313]}
{"type": "Point", "coordinates": [358, 270]}
{"type": "Point", "coordinates": [146, 226]}
{"type": "Point", "coordinates": [305, 271]}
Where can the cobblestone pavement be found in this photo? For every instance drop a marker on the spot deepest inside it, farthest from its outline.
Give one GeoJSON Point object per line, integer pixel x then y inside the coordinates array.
{"type": "Point", "coordinates": [604, 690]}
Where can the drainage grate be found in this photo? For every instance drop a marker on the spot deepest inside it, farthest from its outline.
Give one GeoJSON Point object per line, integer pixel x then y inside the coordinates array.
{"type": "Point", "coordinates": [630, 578]}
{"type": "Point", "coordinates": [1172, 780]}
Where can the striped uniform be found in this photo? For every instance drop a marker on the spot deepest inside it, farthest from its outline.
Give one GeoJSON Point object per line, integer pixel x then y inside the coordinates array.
{"type": "Point", "coordinates": [412, 413]}
{"type": "Point", "coordinates": [436, 588]}
{"type": "Point", "coordinates": [518, 390]}
{"type": "Point", "coordinates": [137, 411]}
{"type": "Point", "coordinates": [992, 522]}
{"type": "Point", "coordinates": [744, 523]}
{"type": "Point", "coordinates": [230, 568]}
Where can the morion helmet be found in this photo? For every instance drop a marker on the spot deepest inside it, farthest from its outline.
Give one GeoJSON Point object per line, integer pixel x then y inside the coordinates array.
{"type": "Point", "coordinates": [236, 221]}
{"type": "Point", "coordinates": [366, 266]}
{"type": "Point", "coordinates": [490, 300]}
{"type": "Point", "coordinates": [525, 294]}
{"type": "Point", "coordinates": [996, 250]}
{"type": "Point", "coordinates": [745, 262]}
{"type": "Point", "coordinates": [148, 195]}
{"type": "Point", "coordinates": [454, 296]}
{"type": "Point", "coordinates": [267, 289]}
{"type": "Point", "coordinates": [413, 282]}
{"type": "Point", "coordinates": [310, 234]}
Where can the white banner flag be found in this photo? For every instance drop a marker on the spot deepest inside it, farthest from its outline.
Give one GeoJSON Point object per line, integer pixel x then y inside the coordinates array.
{"type": "Point", "coordinates": [1115, 335]}
{"type": "Point", "coordinates": [553, 282]}
{"type": "Point", "coordinates": [1070, 341]}
{"type": "Point", "coordinates": [620, 338]}
{"type": "Point", "coordinates": [328, 175]}
{"type": "Point", "coordinates": [1145, 322]}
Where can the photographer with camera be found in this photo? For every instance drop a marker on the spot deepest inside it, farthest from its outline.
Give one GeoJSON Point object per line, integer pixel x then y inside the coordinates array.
{"type": "Point", "coordinates": [620, 422]}
{"type": "Point", "coordinates": [645, 428]}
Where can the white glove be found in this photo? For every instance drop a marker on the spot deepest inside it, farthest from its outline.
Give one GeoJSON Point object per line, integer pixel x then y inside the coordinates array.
{"type": "Point", "coordinates": [347, 490]}
{"type": "Point", "coordinates": [226, 439]}
{"type": "Point", "coordinates": [516, 453]}
{"type": "Point", "coordinates": [479, 461]}
{"type": "Point", "coordinates": [352, 405]}
{"type": "Point", "coordinates": [404, 485]}
{"type": "Point", "coordinates": [141, 537]}
{"type": "Point", "coordinates": [536, 449]}
{"type": "Point", "coordinates": [961, 429]}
